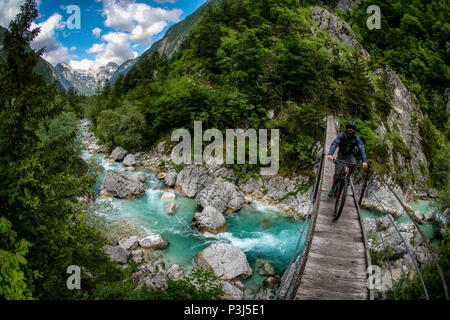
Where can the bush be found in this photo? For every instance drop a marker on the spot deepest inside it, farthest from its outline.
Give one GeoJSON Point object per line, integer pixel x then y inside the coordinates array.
{"type": "Point", "coordinates": [124, 127]}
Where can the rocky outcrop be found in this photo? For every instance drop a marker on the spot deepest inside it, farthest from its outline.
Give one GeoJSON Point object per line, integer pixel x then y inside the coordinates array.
{"type": "Point", "coordinates": [222, 195]}
{"type": "Point", "coordinates": [192, 179]}
{"type": "Point", "coordinates": [120, 185]}
{"type": "Point", "coordinates": [209, 220]}
{"type": "Point", "coordinates": [226, 261]}
{"type": "Point", "coordinates": [383, 230]}
{"type": "Point", "coordinates": [288, 194]}
{"type": "Point", "coordinates": [337, 28]}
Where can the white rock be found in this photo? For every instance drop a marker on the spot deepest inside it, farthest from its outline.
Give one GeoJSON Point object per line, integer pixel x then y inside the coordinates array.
{"type": "Point", "coordinates": [168, 194]}
{"type": "Point", "coordinates": [209, 220]}
{"type": "Point", "coordinates": [130, 243]}
{"type": "Point", "coordinates": [118, 154]}
{"type": "Point", "coordinates": [129, 161]}
{"type": "Point", "coordinates": [154, 241]}
{"type": "Point", "coordinates": [226, 261]}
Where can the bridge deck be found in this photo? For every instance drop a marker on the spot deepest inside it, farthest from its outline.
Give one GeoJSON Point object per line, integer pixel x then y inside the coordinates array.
{"type": "Point", "coordinates": [336, 265]}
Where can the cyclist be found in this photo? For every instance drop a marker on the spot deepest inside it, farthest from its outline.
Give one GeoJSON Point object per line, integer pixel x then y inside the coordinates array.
{"type": "Point", "coordinates": [346, 141]}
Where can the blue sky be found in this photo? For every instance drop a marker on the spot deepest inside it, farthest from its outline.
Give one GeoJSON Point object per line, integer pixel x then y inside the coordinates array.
{"type": "Point", "coordinates": [110, 30]}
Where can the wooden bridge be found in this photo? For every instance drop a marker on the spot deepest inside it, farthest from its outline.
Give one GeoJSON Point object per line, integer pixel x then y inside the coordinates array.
{"type": "Point", "coordinates": [333, 265]}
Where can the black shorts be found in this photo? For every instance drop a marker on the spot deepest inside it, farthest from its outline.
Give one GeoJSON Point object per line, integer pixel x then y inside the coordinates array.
{"type": "Point", "coordinates": [340, 166]}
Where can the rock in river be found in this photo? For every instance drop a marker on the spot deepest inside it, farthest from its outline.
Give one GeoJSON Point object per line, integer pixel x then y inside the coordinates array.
{"type": "Point", "coordinates": [120, 185]}
{"type": "Point", "coordinates": [222, 195]}
{"type": "Point", "coordinates": [209, 220]}
{"type": "Point", "coordinates": [226, 261]}
{"type": "Point", "coordinates": [118, 154]}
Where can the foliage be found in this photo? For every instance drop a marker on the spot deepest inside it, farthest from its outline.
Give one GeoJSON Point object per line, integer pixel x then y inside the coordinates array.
{"type": "Point", "coordinates": [124, 127]}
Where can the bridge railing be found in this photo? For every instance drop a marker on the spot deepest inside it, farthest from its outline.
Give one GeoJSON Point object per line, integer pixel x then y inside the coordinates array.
{"type": "Point", "coordinates": [366, 188]}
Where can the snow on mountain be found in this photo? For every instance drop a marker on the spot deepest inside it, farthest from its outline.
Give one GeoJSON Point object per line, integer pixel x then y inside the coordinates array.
{"type": "Point", "coordinates": [87, 81]}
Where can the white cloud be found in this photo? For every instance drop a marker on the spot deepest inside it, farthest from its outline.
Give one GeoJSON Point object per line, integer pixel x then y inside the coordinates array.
{"type": "Point", "coordinates": [115, 48]}
{"type": "Point", "coordinates": [55, 52]}
{"type": "Point", "coordinates": [84, 64]}
{"type": "Point", "coordinates": [8, 11]}
{"type": "Point", "coordinates": [73, 49]}
{"type": "Point", "coordinates": [96, 32]}
{"type": "Point", "coordinates": [140, 20]}
{"type": "Point", "coordinates": [96, 48]}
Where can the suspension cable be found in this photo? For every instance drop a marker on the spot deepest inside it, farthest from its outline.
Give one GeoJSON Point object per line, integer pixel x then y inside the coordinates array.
{"type": "Point", "coordinates": [406, 246]}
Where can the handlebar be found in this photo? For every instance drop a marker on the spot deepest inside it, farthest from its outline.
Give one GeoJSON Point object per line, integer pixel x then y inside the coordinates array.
{"type": "Point", "coordinates": [357, 165]}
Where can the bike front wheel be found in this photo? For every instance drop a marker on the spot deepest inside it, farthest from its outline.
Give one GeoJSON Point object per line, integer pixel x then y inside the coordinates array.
{"type": "Point", "coordinates": [340, 200]}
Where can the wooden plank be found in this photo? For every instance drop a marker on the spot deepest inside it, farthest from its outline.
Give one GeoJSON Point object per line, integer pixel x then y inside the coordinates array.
{"type": "Point", "coordinates": [315, 268]}
{"type": "Point", "coordinates": [339, 237]}
{"type": "Point", "coordinates": [333, 285]}
{"type": "Point", "coordinates": [355, 263]}
{"type": "Point", "coordinates": [335, 295]}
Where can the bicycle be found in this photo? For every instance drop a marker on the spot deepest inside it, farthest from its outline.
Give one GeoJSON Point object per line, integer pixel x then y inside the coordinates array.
{"type": "Point", "coordinates": [340, 192]}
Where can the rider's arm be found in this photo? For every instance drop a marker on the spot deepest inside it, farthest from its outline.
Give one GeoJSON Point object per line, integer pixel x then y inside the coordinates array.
{"type": "Point", "coordinates": [361, 149]}
{"type": "Point", "coordinates": [335, 144]}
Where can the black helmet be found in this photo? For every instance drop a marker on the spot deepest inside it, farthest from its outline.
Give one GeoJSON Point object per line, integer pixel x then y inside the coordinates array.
{"type": "Point", "coordinates": [351, 124]}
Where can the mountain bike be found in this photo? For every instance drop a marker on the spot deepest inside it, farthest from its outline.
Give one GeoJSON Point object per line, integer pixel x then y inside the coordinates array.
{"type": "Point", "coordinates": [340, 192]}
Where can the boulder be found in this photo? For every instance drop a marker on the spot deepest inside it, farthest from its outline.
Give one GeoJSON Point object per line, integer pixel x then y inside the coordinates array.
{"type": "Point", "coordinates": [226, 261]}
{"type": "Point", "coordinates": [192, 179]}
{"type": "Point", "coordinates": [120, 185]}
{"type": "Point", "coordinates": [209, 220]}
{"type": "Point", "coordinates": [130, 243]}
{"type": "Point", "coordinates": [419, 216]}
{"type": "Point", "coordinates": [117, 254]}
{"type": "Point", "coordinates": [118, 154]}
{"type": "Point", "coordinates": [222, 195]}
{"type": "Point", "coordinates": [168, 194]}
{"type": "Point", "coordinates": [154, 241]}
{"type": "Point", "coordinates": [139, 176]}
{"type": "Point", "coordinates": [129, 161]}
{"type": "Point", "coordinates": [171, 178]}
{"type": "Point", "coordinates": [170, 208]}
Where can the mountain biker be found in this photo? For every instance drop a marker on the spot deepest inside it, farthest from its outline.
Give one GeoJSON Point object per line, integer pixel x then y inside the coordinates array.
{"type": "Point", "coordinates": [346, 141]}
